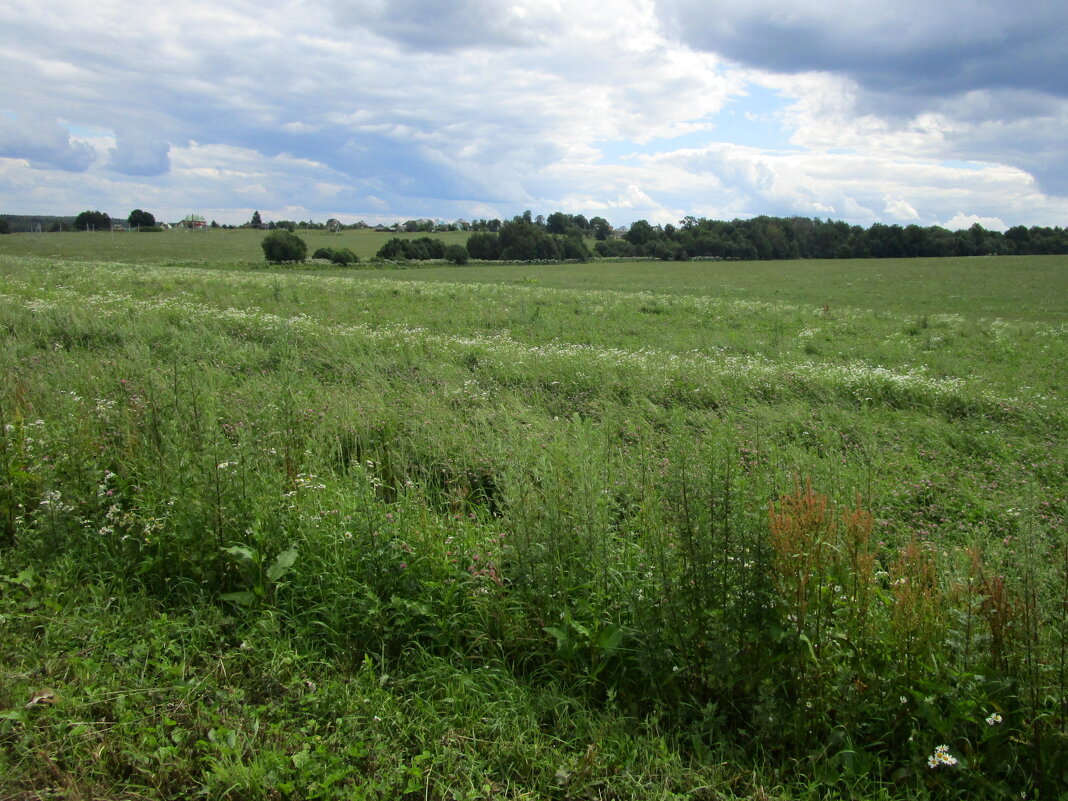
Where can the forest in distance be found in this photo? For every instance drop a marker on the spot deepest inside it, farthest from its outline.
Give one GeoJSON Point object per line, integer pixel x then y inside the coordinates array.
{"type": "Point", "coordinates": [562, 236]}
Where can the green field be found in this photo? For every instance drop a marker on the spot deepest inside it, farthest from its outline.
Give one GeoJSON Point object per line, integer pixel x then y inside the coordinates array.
{"type": "Point", "coordinates": [611, 530]}
{"type": "Point", "coordinates": [206, 245]}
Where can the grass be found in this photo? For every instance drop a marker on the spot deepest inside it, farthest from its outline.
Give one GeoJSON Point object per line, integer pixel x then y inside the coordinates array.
{"type": "Point", "coordinates": [1017, 288]}
{"type": "Point", "coordinates": [207, 246]}
{"type": "Point", "coordinates": [703, 530]}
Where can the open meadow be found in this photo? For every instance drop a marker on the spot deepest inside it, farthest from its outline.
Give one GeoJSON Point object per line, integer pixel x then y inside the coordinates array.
{"type": "Point", "coordinates": [205, 246]}
{"type": "Point", "coordinates": [642, 530]}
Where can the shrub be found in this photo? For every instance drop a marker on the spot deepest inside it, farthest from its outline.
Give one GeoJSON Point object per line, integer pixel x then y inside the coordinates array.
{"type": "Point", "coordinates": [457, 254]}
{"type": "Point", "coordinates": [421, 249]}
{"type": "Point", "coordinates": [324, 253]}
{"type": "Point", "coordinates": [344, 257]}
{"type": "Point", "coordinates": [282, 246]}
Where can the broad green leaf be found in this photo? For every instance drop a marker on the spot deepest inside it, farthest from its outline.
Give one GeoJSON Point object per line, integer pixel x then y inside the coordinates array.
{"type": "Point", "coordinates": [282, 564]}
{"type": "Point", "coordinates": [241, 552]}
{"type": "Point", "coordinates": [610, 638]}
{"type": "Point", "coordinates": [243, 598]}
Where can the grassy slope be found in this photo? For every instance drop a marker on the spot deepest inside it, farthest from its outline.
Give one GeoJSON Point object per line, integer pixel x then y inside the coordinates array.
{"type": "Point", "coordinates": [208, 245]}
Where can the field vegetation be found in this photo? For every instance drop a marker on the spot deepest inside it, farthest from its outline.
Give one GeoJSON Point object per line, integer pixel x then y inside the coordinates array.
{"type": "Point", "coordinates": [612, 530]}
{"type": "Point", "coordinates": [204, 246]}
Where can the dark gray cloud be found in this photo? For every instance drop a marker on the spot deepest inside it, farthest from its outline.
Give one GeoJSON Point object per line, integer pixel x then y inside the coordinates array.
{"type": "Point", "coordinates": [909, 47]}
{"type": "Point", "coordinates": [996, 72]}
{"type": "Point", "coordinates": [44, 142]}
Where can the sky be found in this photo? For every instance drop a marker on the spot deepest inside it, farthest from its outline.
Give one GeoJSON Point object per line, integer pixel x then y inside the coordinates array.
{"type": "Point", "coordinates": [899, 112]}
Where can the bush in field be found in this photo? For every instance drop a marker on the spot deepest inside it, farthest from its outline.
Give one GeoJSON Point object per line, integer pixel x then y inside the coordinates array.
{"type": "Point", "coordinates": [457, 254]}
{"type": "Point", "coordinates": [344, 257]}
{"type": "Point", "coordinates": [421, 249]}
{"type": "Point", "coordinates": [340, 256]}
{"type": "Point", "coordinates": [412, 250]}
{"type": "Point", "coordinates": [282, 246]}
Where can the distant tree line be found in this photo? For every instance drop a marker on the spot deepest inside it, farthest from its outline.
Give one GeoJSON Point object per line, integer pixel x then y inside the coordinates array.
{"type": "Point", "coordinates": [804, 238]}
{"type": "Point", "coordinates": [556, 223]}
{"type": "Point", "coordinates": [558, 238]}
{"type": "Point", "coordinates": [562, 237]}
{"type": "Point", "coordinates": [27, 223]}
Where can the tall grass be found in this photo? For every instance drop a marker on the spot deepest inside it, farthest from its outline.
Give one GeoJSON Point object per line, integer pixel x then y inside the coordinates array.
{"type": "Point", "coordinates": [681, 561]}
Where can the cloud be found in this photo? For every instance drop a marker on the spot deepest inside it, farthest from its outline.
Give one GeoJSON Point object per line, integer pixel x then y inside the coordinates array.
{"type": "Point", "coordinates": [900, 209]}
{"type": "Point", "coordinates": [428, 25]}
{"type": "Point", "coordinates": [908, 46]}
{"type": "Point", "coordinates": [957, 79]}
{"type": "Point", "coordinates": [961, 221]}
{"type": "Point", "coordinates": [43, 142]}
{"type": "Point", "coordinates": [363, 108]}
{"type": "Point", "coordinates": [137, 154]}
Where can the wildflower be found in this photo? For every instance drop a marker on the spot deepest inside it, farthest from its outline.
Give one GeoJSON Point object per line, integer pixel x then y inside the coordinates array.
{"type": "Point", "coordinates": [993, 719]}
{"type": "Point", "coordinates": [941, 756]}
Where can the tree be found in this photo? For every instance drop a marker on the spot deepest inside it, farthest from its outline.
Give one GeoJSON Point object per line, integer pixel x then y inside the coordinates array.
{"type": "Point", "coordinates": [256, 222]}
{"type": "Point", "coordinates": [140, 218]}
{"type": "Point", "coordinates": [640, 233]}
{"type": "Point", "coordinates": [484, 245]}
{"type": "Point", "coordinates": [5, 227]}
{"type": "Point", "coordinates": [556, 223]}
{"type": "Point", "coordinates": [601, 228]}
{"type": "Point", "coordinates": [92, 221]}
{"type": "Point", "coordinates": [281, 246]}
{"type": "Point", "coordinates": [519, 239]}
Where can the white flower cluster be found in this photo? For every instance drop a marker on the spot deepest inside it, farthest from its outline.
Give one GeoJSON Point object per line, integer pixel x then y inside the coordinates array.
{"type": "Point", "coordinates": [941, 756]}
